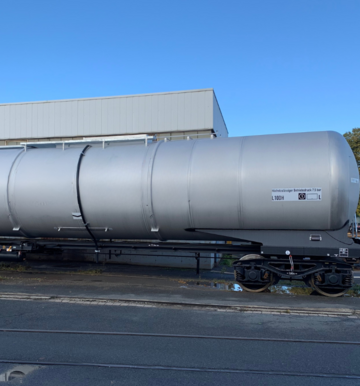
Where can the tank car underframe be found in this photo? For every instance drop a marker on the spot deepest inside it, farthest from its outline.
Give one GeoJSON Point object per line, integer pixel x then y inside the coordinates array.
{"type": "Point", "coordinates": [322, 259]}
{"type": "Point", "coordinates": [302, 243]}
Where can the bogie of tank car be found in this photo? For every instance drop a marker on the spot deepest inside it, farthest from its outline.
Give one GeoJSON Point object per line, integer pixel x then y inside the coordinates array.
{"type": "Point", "coordinates": [330, 277]}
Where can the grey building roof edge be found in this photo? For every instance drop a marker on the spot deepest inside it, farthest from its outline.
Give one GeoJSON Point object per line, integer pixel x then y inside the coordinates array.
{"type": "Point", "coordinates": [220, 110]}
{"type": "Point", "coordinates": [114, 96]}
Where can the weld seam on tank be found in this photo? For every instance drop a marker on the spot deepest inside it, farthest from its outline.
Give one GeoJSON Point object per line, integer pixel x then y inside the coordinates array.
{"type": "Point", "coordinates": [12, 213]}
{"type": "Point", "coordinates": [189, 175]}
{"type": "Point", "coordinates": [238, 182]}
{"type": "Point", "coordinates": [82, 154]}
{"type": "Point", "coordinates": [330, 176]}
{"type": "Point", "coordinates": [147, 182]}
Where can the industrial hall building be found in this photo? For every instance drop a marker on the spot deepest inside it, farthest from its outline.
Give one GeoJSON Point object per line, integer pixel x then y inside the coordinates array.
{"type": "Point", "coordinates": [171, 115]}
{"type": "Point", "coordinates": [182, 115]}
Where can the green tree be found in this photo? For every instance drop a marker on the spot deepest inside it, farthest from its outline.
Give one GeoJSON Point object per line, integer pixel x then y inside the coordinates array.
{"type": "Point", "coordinates": [353, 138]}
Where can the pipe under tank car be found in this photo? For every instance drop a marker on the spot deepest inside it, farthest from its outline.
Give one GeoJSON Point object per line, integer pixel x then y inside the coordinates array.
{"type": "Point", "coordinates": [206, 189]}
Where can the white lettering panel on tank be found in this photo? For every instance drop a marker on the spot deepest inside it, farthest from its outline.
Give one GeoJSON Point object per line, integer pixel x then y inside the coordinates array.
{"type": "Point", "coordinates": [296, 194]}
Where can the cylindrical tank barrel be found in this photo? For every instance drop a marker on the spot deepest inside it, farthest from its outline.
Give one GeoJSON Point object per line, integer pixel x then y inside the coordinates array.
{"type": "Point", "coordinates": [303, 181]}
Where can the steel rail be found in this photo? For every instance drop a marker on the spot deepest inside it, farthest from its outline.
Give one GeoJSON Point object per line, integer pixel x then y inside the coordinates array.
{"type": "Point", "coordinates": [155, 335]}
{"type": "Point", "coordinates": [188, 369]}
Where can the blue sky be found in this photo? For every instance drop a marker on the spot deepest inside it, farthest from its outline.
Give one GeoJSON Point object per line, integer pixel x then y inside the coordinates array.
{"type": "Point", "coordinates": [276, 66]}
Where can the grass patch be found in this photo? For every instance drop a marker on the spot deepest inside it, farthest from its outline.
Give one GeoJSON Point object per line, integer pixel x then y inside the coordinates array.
{"type": "Point", "coordinates": [204, 281]}
{"type": "Point", "coordinates": [90, 272]}
{"type": "Point", "coordinates": [354, 291]}
{"type": "Point", "coordinates": [8, 267]}
{"type": "Point", "coordinates": [227, 260]}
{"type": "Point", "coordinates": [14, 267]}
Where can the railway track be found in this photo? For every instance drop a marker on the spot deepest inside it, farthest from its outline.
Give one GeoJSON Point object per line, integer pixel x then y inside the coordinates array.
{"type": "Point", "coordinates": [329, 312]}
{"type": "Point", "coordinates": [190, 369]}
{"type": "Point", "coordinates": [177, 336]}
{"type": "Point", "coordinates": [151, 343]}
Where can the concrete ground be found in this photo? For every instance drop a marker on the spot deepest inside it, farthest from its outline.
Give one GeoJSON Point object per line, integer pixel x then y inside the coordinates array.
{"type": "Point", "coordinates": [136, 283]}
{"type": "Point", "coordinates": [52, 304]}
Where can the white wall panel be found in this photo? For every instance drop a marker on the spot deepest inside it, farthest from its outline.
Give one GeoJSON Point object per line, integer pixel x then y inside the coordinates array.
{"type": "Point", "coordinates": [219, 123]}
{"type": "Point", "coordinates": [91, 128]}
{"type": "Point", "coordinates": [200, 116]}
{"type": "Point", "coordinates": [64, 119]}
{"type": "Point", "coordinates": [18, 113]}
{"type": "Point", "coordinates": [123, 116]}
{"type": "Point", "coordinates": [209, 110]}
{"type": "Point", "coordinates": [7, 122]}
{"type": "Point", "coordinates": [80, 118]}
{"type": "Point", "coordinates": [181, 118]}
{"type": "Point", "coordinates": [135, 114]}
{"type": "Point", "coordinates": [188, 115]}
{"type": "Point", "coordinates": [74, 119]}
{"type": "Point", "coordinates": [33, 119]}
{"type": "Point", "coordinates": [97, 128]}
{"type": "Point", "coordinates": [174, 107]}
{"type": "Point", "coordinates": [45, 120]}
{"type": "Point", "coordinates": [41, 128]}
{"type": "Point", "coordinates": [13, 122]}
{"type": "Point", "coordinates": [57, 119]}
{"type": "Point", "coordinates": [116, 116]}
{"type": "Point", "coordinates": [154, 113]}
{"type": "Point", "coordinates": [2, 118]}
{"type": "Point", "coordinates": [29, 120]}
{"type": "Point", "coordinates": [141, 115]}
{"type": "Point", "coordinates": [129, 116]}
{"type": "Point", "coordinates": [105, 110]}
{"type": "Point", "coordinates": [149, 113]}
{"type": "Point", "coordinates": [49, 119]}
{"type": "Point", "coordinates": [169, 101]}
{"type": "Point", "coordinates": [160, 113]}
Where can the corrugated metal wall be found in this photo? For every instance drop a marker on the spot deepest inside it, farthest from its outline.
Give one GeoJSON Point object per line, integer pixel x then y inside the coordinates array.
{"type": "Point", "coordinates": [219, 123]}
{"type": "Point", "coordinates": [184, 111]}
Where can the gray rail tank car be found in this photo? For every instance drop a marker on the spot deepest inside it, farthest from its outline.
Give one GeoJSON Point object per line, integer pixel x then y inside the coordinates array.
{"type": "Point", "coordinates": [284, 193]}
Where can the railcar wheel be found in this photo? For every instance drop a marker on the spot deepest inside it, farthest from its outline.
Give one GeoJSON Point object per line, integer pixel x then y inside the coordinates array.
{"type": "Point", "coordinates": [329, 292]}
{"type": "Point", "coordinates": [256, 286]}
{"type": "Point", "coordinates": [251, 257]}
